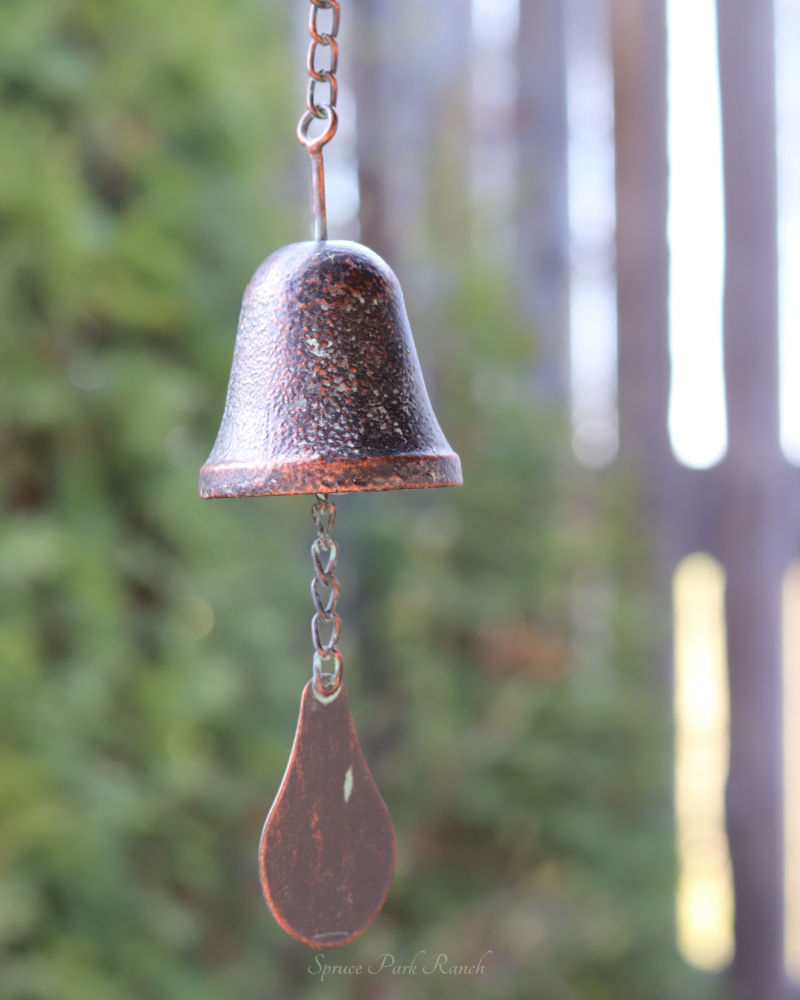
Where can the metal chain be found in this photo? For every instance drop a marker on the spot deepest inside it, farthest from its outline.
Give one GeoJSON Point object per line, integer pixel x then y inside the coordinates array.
{"type": "Point", "coordinates": [324, 554]}
{"type": "Point", "coordinates": [316, 110]}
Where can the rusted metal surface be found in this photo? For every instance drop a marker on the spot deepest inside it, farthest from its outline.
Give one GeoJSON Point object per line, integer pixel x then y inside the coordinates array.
{"type": "Point", "coordinates": [326, 394]}
{"type": "Point", "coordinates": [327, 850]}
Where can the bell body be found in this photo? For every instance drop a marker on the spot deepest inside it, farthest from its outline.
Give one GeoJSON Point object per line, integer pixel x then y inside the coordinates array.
{"type": "Point", "coordinates": [326, 394]}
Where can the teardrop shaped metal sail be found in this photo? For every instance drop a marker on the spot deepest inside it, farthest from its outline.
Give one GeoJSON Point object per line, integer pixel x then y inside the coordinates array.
{"type": "Point", "coordinates": [327, 850]}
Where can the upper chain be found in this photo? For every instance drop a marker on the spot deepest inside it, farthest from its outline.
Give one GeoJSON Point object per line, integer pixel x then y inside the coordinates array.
{"type": "Point", "coordinates": [314, 108]}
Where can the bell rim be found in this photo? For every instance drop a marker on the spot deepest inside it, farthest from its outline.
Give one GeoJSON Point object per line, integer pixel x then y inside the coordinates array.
{"type": "Point", "coordinates": [362, 474]}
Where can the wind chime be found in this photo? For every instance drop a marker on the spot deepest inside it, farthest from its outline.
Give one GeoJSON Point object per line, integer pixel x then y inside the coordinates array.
{"type": "Point", "coordinates": [325, 396]}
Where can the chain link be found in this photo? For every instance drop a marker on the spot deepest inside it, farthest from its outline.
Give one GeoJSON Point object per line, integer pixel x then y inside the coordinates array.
{"type": "Point", "coordinates": [324, 555]}
{"type": "Point", "coordinates": [316, 109]}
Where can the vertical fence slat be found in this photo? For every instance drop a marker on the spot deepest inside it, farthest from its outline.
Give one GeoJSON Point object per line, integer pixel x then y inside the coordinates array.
{"type": "Point", "coordinates": [755, 515]}
{"type": "Point", "coordinates": [542, 190]}
{"type": "Point", "coordinates": [639, 52]}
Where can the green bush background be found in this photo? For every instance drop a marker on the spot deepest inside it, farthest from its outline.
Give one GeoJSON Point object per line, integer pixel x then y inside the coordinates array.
{"type": "Point", "coordinates": [153, 648]}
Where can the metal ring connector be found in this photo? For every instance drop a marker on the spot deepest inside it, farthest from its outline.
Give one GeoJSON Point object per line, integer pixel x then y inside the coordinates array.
{"type": "Point", "coordinates": [312, 70]}
{"type": "Point", "coordinates": [320, 111]}
{"type": "Point", "coordinates": [314, 146]}
{"type": "Point", "coordinates": [326, 685]}
{"type": "Point", "coordinates": [326, 572]}
{"type": "Point", "coordinates": [321, 648]}
{"type": "Point", "coordinates": [313, 14]}
{"type": "Point", "coordinates": [325, 610]}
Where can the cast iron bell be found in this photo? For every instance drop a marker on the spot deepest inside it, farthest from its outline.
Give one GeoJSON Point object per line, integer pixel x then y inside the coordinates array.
{"type": "Point", "coordinates": [326, 394]}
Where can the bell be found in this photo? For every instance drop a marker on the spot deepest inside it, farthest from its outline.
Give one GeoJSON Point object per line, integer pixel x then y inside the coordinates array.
{"type": "Point", "coordinates": [326, 394]}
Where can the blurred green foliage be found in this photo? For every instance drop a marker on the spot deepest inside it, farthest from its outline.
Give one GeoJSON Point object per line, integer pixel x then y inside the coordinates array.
{"type": "Point", "coordinates": [153, 648]}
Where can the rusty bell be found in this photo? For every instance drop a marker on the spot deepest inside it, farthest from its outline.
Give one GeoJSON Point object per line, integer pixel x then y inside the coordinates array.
{"type": "Point", "coordinates": [326, 394]}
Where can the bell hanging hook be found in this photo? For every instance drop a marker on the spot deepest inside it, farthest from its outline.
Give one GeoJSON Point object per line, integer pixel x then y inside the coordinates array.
{"type": "Point", "coordinates": [318, 111]}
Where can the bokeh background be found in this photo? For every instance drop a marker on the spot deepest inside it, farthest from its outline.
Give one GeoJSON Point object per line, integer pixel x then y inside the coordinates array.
{"type": "Point", "coordinates": [522, 688]}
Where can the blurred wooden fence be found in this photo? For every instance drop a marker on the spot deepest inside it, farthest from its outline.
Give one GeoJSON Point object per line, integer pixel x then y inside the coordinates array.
{"type": "Point", "coordinates": [412, 74]}
{"type": "Point", "coordinates": [740, 510]}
